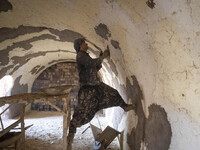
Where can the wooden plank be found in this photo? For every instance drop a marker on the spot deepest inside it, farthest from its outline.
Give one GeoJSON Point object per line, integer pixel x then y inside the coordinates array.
{"type": "Point", "coordinates": [24, 128]}
{"type": "Point", "coordinates": [120, 139]}
{"type": "Point", "coordinates": [95, 131]}
{"type": "Point", "coordinates": [31, 97]}
{"type": "Point", "coordinates": [10, 141]}
{"type": "Point", "coordinates": [58, 90]}
{"type": "Point", "coordinates": [1, 123]}
{"type": "Point", "coordinates": [22, 113]}
{"type": "Point", "coordinates": [68, 112]}
{"type": "Point", "coordinates": [108, 135]}
{"type": "Point", "coordinates": [9, 128]}
{"type": "Point", "coordinates": [54, 106]}
{"type": "Point", "coordinates": [5, 110]}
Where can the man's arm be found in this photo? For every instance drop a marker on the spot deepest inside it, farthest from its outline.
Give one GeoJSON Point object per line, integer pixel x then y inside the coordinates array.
{"type": "Point", "coordinates": [87, 61]}
{"type": "Point", "coordinates": [99, 67]}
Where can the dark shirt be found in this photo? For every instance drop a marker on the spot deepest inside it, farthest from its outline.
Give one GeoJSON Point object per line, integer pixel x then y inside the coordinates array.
{"type": "Point", "coordinates": [88, 69]}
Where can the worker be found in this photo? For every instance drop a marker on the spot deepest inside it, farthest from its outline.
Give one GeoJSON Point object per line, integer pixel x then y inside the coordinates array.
{"type": "Point", "coordinates": [93, 94]}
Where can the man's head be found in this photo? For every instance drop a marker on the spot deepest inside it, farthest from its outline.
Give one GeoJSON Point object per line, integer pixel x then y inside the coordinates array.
{"type": "Point", "coordinates": [79, 44]}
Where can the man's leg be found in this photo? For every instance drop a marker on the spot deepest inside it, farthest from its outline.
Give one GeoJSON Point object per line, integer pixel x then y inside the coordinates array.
{"type": "Point", "coordinates": [110, 97]}
{"type": "Point", "coordinates": [84, 112]}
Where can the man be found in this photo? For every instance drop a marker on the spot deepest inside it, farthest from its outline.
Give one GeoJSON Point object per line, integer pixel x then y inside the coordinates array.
{"type": "Point", "coordinates": [93, 94]}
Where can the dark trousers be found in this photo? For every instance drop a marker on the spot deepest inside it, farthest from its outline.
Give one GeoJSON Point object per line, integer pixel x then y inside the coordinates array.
{"type": "Point", "coordinates": [92, 99]}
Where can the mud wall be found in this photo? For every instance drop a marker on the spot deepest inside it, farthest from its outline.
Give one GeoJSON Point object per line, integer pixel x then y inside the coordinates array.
{"type": "Point", "coordinates": [154, 59]}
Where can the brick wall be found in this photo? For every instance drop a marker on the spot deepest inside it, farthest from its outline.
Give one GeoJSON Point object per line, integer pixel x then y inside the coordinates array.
{"type": "Point", "coordinates": [56, 75]}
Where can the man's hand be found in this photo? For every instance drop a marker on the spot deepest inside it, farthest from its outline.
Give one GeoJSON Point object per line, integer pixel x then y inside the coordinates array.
{"type": "Point", "coordinates": [101, 53]}
{"type": "Point", "coordinates": [105, 54]}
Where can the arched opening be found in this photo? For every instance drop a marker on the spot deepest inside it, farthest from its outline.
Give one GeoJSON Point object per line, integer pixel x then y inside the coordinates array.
{"type": "Point", "coordinates": [154, 45]}
{"type": "Point", "coordinates": [60, 74]}
{"type": "Point", "coordinates": [6, 84]}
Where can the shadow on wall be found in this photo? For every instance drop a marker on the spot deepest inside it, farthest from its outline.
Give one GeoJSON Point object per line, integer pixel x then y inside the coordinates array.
{"type": "Point", "coordinates": [154, 131]}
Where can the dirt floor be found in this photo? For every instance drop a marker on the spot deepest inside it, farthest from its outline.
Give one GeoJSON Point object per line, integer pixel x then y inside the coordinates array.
{"type": "Point", "coordinates": [46, 132]}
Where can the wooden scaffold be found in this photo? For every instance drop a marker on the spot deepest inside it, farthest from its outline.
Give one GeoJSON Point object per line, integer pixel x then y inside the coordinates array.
{"type": "Point", "coordinates": [48, 96]}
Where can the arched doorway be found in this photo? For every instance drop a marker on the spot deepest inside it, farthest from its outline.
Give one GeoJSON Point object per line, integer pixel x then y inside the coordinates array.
{"type": "Point", "coordinates": [60, 74]}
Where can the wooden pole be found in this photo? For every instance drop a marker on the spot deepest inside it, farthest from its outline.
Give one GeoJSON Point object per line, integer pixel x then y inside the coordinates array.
{"type": "Point", "coordinates": [6, 130]}
{"type": "Point", "coordinates": [22, 113]}
{"type": "Point", "coordinates": [1, 123]}
{"type": "Point", "coordinates": [68, 112]}
{"type": "Point", "coordinates": [54, 106]}
{"type": "Point", "coordinates": [5, 109]}
{"type": "Point", "coordinates": [65, 124]}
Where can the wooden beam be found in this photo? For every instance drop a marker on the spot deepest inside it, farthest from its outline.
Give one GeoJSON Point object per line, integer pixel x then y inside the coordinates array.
{"type": "Point", "coordinates": [10, 141]}
{"type": "Point", "coordinates": [68, 113]}
{"type": "Point", "coordinates": [24, 128]}
{"type": "Point", "coordinates": [1, 123]}
{"type": "Point", "coordinates": [58, 90]}
{"type": "Point", "coordinates": [30, 98]}
{"type": "Point", "coordinates": [65, 124]}
{"type": "Point", "coordinates": [22, 113]}
{"type": "Point", "coordinates": [5, 110]}
{"type": "Point", "coordinates": [49, 96]}
{"type": "Point", "coordinates": [9, 128]}
{"type": "Point", "coordinates": [54, 106]}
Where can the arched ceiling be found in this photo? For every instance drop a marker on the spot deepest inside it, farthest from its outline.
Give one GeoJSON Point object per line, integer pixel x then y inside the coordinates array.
{"type": "Point", "coordinates": [156, 41]}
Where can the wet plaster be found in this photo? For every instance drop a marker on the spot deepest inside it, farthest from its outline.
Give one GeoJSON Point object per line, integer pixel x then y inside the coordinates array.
{"type": "Point", "coordinates": [103, 31]}
{"type": "Point", "coordinates": [35, 69]}
{"type": "Point", "coordinates": [17, 89]}
{"type": "Point", "coordinates": [151, 4]}
{"type": "Point", "coordinates": [61, 60]}
{"type": "Point", "coordinates": [66, 35]}
{"type": "Point", "coordinates": [137, 134]}
{"type": "Point", "coordinates": [115, 44]}
{"type": "Point", "coordinates": [26, 45]}
{"type": "Point", "coordinates": [155, 130]}
{"type": "Point", "coordinates": [158, 131]}
{"type": "Point", "coordinates": [5, 5]}
{"type": "Point", "coordinates": [23, 60]}
{"type": "Point", "coordinates": [11, 33]}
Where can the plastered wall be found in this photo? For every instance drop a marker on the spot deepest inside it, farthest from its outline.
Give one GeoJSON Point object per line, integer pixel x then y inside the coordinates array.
{"type": "Point", "coordinates": [154, 59]}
